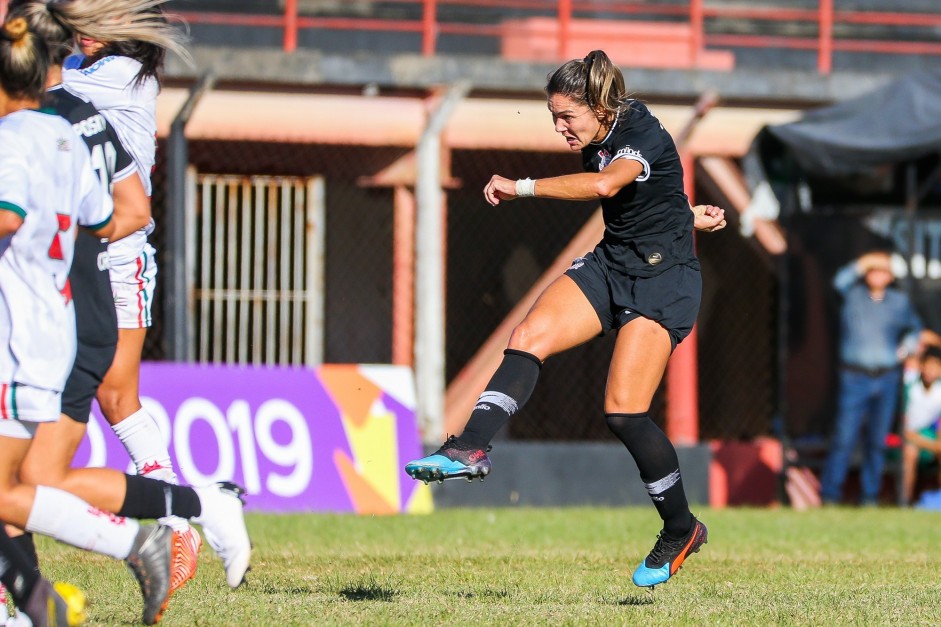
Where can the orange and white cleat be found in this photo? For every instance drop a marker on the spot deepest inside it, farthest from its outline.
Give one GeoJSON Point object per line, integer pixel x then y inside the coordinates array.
{"type": "Point", "coordinates": [185, 556]}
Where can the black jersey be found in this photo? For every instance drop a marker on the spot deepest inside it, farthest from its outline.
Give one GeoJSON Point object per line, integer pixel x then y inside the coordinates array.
{"type": "Point", "coordinates": [648, 224]}
{"type": "Point", "coordinates": [95, 319]}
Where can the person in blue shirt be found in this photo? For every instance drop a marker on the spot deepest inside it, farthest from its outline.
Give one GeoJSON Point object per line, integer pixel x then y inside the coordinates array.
{"type": "Point", "coordinates": [879, 328]}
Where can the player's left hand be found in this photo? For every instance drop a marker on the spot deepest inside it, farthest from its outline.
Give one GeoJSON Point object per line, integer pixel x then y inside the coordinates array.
{"type": "Point", "coordinates": [499, 188]}
{"type": "Point", "coordinates": [708, 218]}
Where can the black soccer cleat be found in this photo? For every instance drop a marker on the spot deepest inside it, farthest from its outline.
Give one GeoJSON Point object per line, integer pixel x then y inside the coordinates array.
{"type": "Point", "coordinates": [454, 460]}
{"type": "Point", "coordinates": [150, 560]}
{"type": "Point", "coordinates": [668, 555]}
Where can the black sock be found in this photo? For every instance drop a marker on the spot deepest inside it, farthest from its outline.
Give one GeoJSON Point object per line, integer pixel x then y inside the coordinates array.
{"type": "Point", "coordinates": [659, 468]}
{"type": "Point", "coordinates": [16, 571]}
{"type": "Point", "coordinates": [150, 498]}
{"type": "Point", "coordinates": [28, 547]}
{"type": "Point", "coordinates": [509, 389]}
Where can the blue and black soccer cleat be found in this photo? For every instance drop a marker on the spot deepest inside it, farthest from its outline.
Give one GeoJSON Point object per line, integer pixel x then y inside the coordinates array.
{"type": "Point", "coordinates": [454, 460]}
{"type": "Point", "coordinates": [668, 555]}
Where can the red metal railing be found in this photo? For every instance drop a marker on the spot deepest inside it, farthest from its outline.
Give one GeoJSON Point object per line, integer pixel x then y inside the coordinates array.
{"type": "Point", "coordinates": [429, 24]}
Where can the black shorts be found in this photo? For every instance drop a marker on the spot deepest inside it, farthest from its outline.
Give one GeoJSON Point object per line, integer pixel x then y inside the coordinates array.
{"type": "Point", "coordinates": [91, 364]}
{"type": "Point", "coordinates": [671, 298]}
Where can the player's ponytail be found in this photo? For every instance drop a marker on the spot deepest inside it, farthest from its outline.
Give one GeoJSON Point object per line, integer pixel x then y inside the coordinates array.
{"type": "Point", "coordinates": [24, 61]}
{"type": "Point", "coordinates": [125, 21]}
{"type": "Point", "coordinates": [45, 20]}
{"type": "Point", "coordinates": [594, 81]}
{"type": "Point", "coordinates": [605, 83]}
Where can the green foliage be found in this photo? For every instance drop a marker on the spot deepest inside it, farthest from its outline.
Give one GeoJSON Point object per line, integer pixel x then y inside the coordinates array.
{"type": "Point", "coordinates": [548, 567]}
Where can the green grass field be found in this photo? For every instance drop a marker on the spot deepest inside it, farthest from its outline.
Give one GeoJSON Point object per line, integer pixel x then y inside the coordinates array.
{"type": "Point", "coordinates": [549, 566]}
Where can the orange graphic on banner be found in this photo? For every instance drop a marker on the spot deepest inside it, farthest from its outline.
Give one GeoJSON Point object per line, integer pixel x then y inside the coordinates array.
{"type": "Point", "coordinates": [351, 391]}
{"type": "Point", "coordinates": [366, 499]}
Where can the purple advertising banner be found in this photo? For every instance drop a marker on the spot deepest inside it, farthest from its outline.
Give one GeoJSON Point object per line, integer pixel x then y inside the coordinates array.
{"type": "Point", "coordinates": [334, 438]}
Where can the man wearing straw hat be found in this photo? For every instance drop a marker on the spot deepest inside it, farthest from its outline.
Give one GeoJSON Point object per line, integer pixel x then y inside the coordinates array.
{"type": "Point", "coordinates": [879, 327]}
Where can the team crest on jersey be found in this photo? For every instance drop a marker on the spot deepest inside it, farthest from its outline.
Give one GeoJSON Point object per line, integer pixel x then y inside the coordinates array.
{"type": "Point", "coordinates": [63, 145]}
{"type": "Point", "coordinates": [604, 158]}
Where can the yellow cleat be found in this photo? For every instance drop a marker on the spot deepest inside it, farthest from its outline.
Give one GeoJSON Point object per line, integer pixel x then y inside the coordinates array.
{"type": "Point", "coordinates": [75, 602]}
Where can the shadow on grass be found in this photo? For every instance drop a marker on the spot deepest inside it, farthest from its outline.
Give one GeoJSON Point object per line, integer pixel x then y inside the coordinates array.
{"type": "Point", "coordinates": [488, 593]}
{"type": "Point", "coordinates": [367, 592]}
{"type": "Point", "coordinates": [637, 599]}
{"type": "Point", "coordinates": [274, 589]}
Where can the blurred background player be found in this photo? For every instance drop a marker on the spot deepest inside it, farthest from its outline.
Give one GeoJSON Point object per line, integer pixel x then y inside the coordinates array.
{"type": "Point", "coordinates": [96, 327]}
{"type": "Point", "coordinates": [43, 603]}
{"type": "Point", "coordinates": [47, 188]}
{"type": "Point", "coordinates": [922, 410]}
{"type": "Point", "coordinates": [123, 44]}
{"type": "Point", "coordinates": [642, 281]}
{"type": "Point", "coordinates": [54, 445]}
{"type": "Point", "coordinates": [879, 327]}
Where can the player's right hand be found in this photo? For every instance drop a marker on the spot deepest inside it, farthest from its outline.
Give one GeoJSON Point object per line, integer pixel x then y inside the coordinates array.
{"type": "Point", "coordinates": [499, 188]}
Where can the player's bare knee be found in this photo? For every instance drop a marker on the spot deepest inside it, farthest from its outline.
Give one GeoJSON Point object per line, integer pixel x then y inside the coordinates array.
{"type": "Point", "coordinates": [37, 473]}
{"type": "Point", "coordinates": [115, 403]}
{"type": "Point", "coordinates": [624, 403]}
{"type": "Point", "coordinates": [531, 337]}
{"type": "Point", "coordinates": [108, 401]}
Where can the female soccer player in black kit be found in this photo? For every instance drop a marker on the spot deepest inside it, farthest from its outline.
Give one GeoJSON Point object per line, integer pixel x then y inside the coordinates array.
{"type": "Point", "coordinates": [642, 281]}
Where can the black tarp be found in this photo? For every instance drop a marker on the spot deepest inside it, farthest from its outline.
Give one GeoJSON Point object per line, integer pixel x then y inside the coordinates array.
{"type": "Point", "coordinates": [858, 175]}
{"type": "Point", "coordinates": [896, 123]}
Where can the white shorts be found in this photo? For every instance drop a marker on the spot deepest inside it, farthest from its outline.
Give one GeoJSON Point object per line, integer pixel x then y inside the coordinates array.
{"type": "Point", "coordinates": [22, 407]}
{"type": "Point", "coordinates": [132, 285]}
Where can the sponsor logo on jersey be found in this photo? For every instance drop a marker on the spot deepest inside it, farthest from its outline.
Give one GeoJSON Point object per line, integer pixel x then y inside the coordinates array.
{"type": "Point", "coordinates": [627, 151]}
{"type": "Point", "coordinates": [635, 155]}
{"type": "Point", "coordinates": [577, 263]}
{"type": "Point", "coordinates": [63, 145]}
{"type": "Point", "coordinates": [97, 65]}
{"type": "Point", "coordinates": [90, 127]}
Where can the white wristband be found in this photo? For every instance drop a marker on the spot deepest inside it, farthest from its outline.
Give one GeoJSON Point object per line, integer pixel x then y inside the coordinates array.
{"type": "Point", "coordinates": [525, 187]}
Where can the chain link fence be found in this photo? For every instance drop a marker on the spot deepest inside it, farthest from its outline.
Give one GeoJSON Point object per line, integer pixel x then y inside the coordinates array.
{"type": "Point", "coordinates": [494, 254]}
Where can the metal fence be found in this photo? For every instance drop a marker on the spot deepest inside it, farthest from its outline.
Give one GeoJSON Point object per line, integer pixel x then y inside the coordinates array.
{"type": "Point", "coordinates": [258, 268]}
{"type": "Point", "coordinates": [493, 256]}
{"type": "Point", "coordinates": [828, 31]}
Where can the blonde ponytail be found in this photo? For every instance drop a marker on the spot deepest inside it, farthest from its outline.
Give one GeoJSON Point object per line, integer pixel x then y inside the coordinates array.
{"type": "Point", "coordinates": [116, 21]}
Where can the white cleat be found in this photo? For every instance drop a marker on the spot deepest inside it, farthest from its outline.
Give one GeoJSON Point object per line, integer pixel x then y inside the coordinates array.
{"type": "Point", "coordinates": [223, 525]}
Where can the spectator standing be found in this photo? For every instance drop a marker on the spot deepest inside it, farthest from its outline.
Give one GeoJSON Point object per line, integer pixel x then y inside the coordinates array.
{"type": "Point", "coordinates": [879, 328]}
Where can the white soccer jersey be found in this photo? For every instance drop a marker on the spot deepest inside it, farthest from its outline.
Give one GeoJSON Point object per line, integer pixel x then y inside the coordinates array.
{"type": "Point", "coordinates": [922, 406]}
{"type": "Point", "coordinates": [131, 108]}
{"type": "Point", "coordinates": [47, 179]}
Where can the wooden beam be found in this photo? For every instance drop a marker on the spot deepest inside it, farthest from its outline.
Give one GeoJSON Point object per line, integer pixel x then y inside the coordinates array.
{"type": "Point", "coordinates": [466, 387]}
{"type": "Point", "coordinates": [727, 177]}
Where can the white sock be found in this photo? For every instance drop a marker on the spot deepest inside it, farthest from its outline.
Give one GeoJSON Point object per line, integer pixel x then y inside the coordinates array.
{"type": "Point", "coordinates": [144, 443]}
{"type": "Point", "coordinates": [4, 612]}
{"type": "Point", "coordinates": [69, 519]}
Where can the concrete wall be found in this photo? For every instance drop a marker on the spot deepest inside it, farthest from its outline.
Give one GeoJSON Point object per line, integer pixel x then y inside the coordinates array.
{"type": "Point", "coordinates": [571, 473]}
